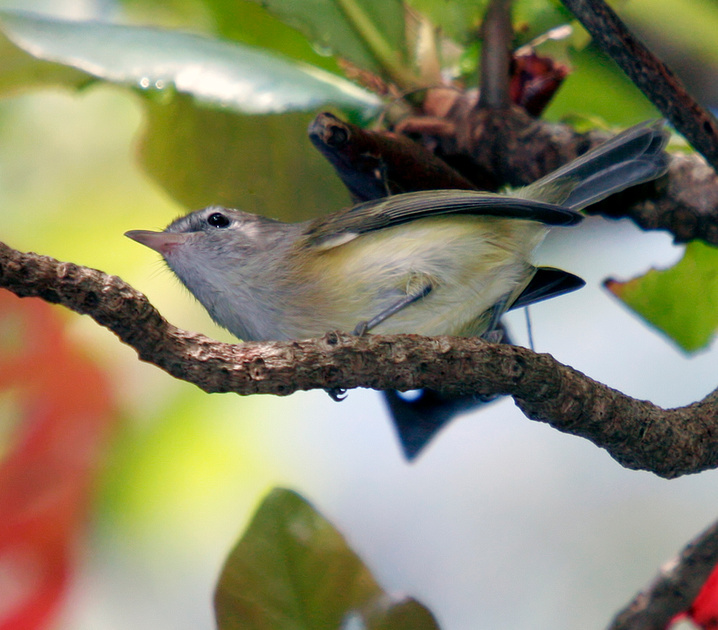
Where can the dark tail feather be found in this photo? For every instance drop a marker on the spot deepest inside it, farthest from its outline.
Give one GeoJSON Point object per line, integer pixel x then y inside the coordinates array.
{"type": "Point", "coordinates": [418, 420]}
{"type": "Point", "coordinates": [548, 282]}
{"type": "Point", "coordinates": [630, 158]}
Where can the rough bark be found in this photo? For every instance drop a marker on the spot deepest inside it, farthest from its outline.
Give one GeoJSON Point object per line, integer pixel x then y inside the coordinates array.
{"type": "Point", "coordinates": [638, 434]}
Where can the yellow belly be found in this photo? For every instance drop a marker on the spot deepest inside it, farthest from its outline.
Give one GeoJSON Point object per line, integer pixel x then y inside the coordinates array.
{"type": "Point", "coordinates": [471, 263]}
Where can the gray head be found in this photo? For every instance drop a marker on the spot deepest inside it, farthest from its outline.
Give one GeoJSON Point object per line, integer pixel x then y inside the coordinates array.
{"type": "Point", "coordinates": [226, 258]}
{"type": "Point", "coordinates": [211, 238]}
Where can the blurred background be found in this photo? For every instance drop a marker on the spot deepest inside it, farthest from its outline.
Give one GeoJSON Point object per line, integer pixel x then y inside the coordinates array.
{"type": "Point", "coordinates": [501, 523]}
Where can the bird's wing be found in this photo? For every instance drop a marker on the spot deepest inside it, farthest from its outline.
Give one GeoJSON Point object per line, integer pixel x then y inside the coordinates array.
{"type": "Point", "coordinates": [345, 225]}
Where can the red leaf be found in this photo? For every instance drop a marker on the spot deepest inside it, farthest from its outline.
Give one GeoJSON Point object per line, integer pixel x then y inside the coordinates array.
{"type": "Point", "coordinates": [704, 611]}
{"type": "Point", "coordinates": [47, 473]}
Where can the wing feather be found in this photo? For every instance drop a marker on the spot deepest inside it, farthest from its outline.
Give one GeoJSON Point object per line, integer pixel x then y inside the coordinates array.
{"type": "Point", "coordinates": [383, 213]}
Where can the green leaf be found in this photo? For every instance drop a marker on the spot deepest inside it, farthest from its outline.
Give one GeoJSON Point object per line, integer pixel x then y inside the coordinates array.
{"type": "Point", "coordinates": [368, 33]}
{"type": "Point", "coordinates": [533, 18]}
{"type": "Point", "coordinates": [681, 302]}
{"type": "Point", "coordinates": [261, 164]}
{"type": "Point", "coordinates": [220, 73]}
{"type": "Point", "coordinates": [248, 22]}
{"type": "Point", "coordinates": [407, 614]}
{"type": "Point", "coordinates": [19, 71]}
{"type": "Point", "coordinates": [293, 571]}
{"type": "Point", "coordinates": [614, 99]}
{"type": "Point", "coordinates": [458, 19]}
{"type": "Point", "coordinates": [461, 19]}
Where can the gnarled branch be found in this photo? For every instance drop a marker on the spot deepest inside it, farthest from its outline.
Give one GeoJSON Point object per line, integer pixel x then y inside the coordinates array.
{"type": "Point", "coordinates": [509, 146]}
{"type": "Point", "coordinates": [636, 433]}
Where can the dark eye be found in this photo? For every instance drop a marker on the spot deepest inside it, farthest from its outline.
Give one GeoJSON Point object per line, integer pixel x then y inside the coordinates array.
{"type": "Point", "coordinates": [218, 220]}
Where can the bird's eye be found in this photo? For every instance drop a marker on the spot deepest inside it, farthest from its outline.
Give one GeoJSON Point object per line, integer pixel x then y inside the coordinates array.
{"type": "Point", "coordinates": [218, 220]}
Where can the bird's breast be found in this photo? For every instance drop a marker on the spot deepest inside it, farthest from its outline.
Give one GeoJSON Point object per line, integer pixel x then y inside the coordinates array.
{"type": "Point", "coordinates": [469, 262]}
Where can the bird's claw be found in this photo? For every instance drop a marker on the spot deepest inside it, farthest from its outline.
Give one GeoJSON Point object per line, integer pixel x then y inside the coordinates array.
{"type": "Point", "coordinates": [337, 394]}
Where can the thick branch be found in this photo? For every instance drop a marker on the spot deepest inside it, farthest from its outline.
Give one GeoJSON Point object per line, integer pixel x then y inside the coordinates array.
{"type": "Point", "coordinates": [675, 588]}
{"type": "Point", "coordinates": [687, 206]}
{"type": "Point", "coordinates": [636, 433]}
{"type": "Point", "coordinates": [650, 75]}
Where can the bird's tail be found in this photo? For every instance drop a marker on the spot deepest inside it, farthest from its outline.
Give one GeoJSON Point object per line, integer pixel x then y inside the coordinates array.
{"type": "Point", "coordinates": [632, 157]}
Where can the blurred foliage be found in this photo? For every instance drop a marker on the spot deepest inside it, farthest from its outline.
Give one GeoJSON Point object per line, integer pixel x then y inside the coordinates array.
{"type": "Point", "coordinates": [615, 101]}
{"type": "Point", "coordinates": [689, 27]}
{"type": "Point", "coordinates": [216, 73]}
{"type": "Point", "coordinates": [20, 71]}
{"type": "Point", "coordinates": [50, 459]}
{"type": "Point", "coordinates": [230, 19]}
{"type": "Point", "coordinates": [275, 161]}
{"type": "Point", "coordinates": [293, 569]}
{"type": "Point", "coordinates": [681, 301]}
{"type": "Point", "coordinates": [66, 193]}
{"type": "Point", "coordinates": [368, 33]}
{"type": "Point", "coordinates": [184, 467]}
{"type": "Point", "coordinates": [199, 148]}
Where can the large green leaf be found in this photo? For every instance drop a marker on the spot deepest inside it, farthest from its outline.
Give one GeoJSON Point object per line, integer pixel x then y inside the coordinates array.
{"type": "Point", "coordinates": [690, 29]}
{"type": "Point", "coordinates": [262, 164]}
{"type": "Point", "coordinates": [20, 71]}
{"type": "Point", "coordinates": [369, 33]}
{"type": "Point", "coordinates": [220, 73]}
{"type": "Point", "coordinates": [614, 99]}
{"type": "Point", "coordinates": [459, 19]}
{"type": "Point", "coordinates": [248, 22]}
{"type": "Point", "coordinates": [293, 571]}
{"type": "Point", "coordinates": [682, 301]}
{"type": "Point", "coordinates": [239, 20]}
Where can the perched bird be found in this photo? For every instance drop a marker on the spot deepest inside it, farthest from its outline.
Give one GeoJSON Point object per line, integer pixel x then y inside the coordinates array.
{"type": "Point", "coordinates": [438, 262]}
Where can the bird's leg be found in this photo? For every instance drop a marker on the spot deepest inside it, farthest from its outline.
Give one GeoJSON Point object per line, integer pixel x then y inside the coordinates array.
{"type": "Point", "coordinates": [409, 298]}
{"type": "Point", "coordinates": [336, 393]}
{"type": "Point", "coordinates": [494, 333]}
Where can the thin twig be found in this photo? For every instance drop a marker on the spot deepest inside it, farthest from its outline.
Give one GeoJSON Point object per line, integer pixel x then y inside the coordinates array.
{"type": "Point", "coordinates": [650, 75]}
{"type": "Point", "coordinates": [675, 588]}
{"type": "Point", "coordinates": [497, 35]}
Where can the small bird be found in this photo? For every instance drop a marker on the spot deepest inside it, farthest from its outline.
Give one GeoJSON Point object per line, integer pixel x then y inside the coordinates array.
{"type": "Point", "coordinates": [440, 262]}
{"type": "Point", "coordinates": [437, 262]}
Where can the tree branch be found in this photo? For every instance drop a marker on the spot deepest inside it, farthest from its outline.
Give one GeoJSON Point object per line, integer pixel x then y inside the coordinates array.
{"type": "Point", "coordinates": [675, 588]}
{"type": "Point", "coordinates": [510, 147]}
{"type": "Point", "coordinates": [686, 204]}
{"type": "Point", "coordinates": [636, 433]}
{"type": "Point", "coordinates": [650, 75]}
{"type": "Point", "coordinates": [497, 34]}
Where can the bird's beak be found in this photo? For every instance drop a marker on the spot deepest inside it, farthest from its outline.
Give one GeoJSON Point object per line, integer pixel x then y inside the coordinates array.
{"type": "Point", "coordinates": [162, 242]}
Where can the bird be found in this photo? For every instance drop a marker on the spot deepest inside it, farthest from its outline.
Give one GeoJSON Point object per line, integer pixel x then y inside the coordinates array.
{"type": "Point", "coordinates": [435, 262]}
